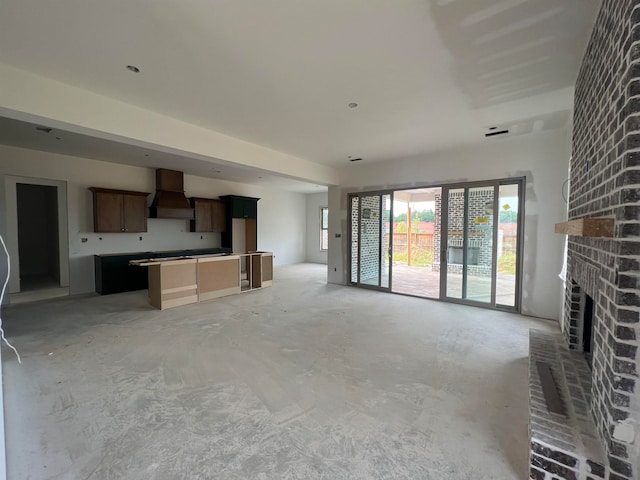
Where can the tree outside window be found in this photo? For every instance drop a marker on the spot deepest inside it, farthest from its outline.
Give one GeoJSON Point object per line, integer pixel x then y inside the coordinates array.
{"type": "Point", "coordinates": [324, 228]}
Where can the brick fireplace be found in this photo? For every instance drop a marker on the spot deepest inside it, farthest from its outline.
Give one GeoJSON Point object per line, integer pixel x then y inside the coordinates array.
{"type": "Point", "coordinates": [604, 182]}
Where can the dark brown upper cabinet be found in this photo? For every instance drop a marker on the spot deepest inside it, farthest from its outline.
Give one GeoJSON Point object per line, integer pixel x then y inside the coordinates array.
{"type": "Point", "coordinates": [209, 215]}
{"type": "Point", "coordinates": [119, 211]}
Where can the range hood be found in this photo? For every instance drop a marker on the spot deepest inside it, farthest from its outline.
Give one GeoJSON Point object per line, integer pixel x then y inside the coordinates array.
{"type": "Point", "coordinates": [170, 201]}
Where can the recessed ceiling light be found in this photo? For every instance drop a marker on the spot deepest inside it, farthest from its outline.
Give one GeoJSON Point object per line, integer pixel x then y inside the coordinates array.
{"type": "Point", "coordinates": [353, 105]}
{"type": "Point", "coordinates": [133, 68]}
{"type": "Point", "coordinates": [44, 129]}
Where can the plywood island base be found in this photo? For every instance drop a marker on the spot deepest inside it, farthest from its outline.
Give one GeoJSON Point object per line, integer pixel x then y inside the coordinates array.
{"type": "Point", "coordinates": [218, 277]}
{"type": "Point", "coordinates": [180, 281]}
{"type": "Point", "coordinates": [172, 284]}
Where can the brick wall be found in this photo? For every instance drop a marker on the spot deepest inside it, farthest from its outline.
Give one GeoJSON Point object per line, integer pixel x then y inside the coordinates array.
{"type": "Point", "coordinates": [605, 181]}
{"type": "Point", "coordinates": [480, 235]}
{"type": "Point", "coordinates": [368, 234]}
{"type": "Point", "coordinates": [369, 238]}
{"type": "Point", "coordinates": [355, 234]}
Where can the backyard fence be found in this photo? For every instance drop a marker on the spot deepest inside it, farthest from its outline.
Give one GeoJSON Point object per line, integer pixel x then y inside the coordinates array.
{"type": "Point", "coordinates": [422, 250]}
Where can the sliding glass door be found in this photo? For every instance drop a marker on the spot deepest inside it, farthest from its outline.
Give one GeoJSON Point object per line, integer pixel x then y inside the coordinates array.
{"type": "Point", "coordinates": [371, 240]}
{"type": "Point", "coordinates": [480, 258]}
{"type": "Point", "coordinates": [460, 243]}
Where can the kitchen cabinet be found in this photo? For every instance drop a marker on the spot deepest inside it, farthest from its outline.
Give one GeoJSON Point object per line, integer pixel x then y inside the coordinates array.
{"type": "Point", "coordinates": [119, 211]}
{"type": "Point", "coordinates": [209, 215]}
{"type": "Point", "coordinates": [198, 278]}
{"type": "Point", "coordinates": [242, 210]}
{"type": "Point", "coordinates": [173, 283]}
{"type": "Point", "coordinates": [113, 273]}
{"type": "Point", "coordinates": [242, 207]}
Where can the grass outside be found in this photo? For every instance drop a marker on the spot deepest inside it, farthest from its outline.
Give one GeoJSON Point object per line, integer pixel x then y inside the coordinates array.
{"type": "Point", "coordinates": [507, 263]}
{"type": "Point", "coordinates": [420, 257]}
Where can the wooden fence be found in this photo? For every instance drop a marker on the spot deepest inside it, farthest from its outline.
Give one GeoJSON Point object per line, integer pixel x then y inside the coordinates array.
{"type": "Point", "coordinates": [422, 247]}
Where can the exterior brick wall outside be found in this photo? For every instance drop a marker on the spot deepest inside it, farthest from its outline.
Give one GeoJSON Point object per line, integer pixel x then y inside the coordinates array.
{"type": "Point", "coordinates": [369, 238]}
{"type": "Point", "coordinates": [353, 216]}
{"type": "Point", "coordinates": [480, 235]}
{"type": "Point", "coordinates": [605, 182]}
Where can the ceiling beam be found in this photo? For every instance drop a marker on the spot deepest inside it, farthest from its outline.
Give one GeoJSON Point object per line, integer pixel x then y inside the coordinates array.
{"type": "Point", "coordinates": [28, 97]}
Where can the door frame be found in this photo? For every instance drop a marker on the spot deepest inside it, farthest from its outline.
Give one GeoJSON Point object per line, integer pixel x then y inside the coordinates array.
{"type": "Point", "coordinates": [520, 181]}
{"type": "Point", "coordinates": [11, 200]}
{"type": "Point", "coordinates": [358, 283]}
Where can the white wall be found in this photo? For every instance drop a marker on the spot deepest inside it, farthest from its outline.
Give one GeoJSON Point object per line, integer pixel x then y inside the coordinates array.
{"type": "Point", "coordinates": [315, 201]}
{"type": "Point", "coordinates": [542, 158]}
{"type": "Point", "coordinates": [281, 215]}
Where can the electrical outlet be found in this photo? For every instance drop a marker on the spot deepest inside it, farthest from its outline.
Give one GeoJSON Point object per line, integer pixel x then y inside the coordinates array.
{"type": "Point", "coordinates": [84, 240]}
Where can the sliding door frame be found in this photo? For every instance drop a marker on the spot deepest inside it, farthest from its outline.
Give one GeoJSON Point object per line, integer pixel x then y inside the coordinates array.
{"type": "Point", "coordinates": [358, 282]}
{"type": "Point", "coordinates": [496, 183]}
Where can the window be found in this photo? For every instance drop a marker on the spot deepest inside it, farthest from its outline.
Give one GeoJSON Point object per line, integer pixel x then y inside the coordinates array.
{"type": "Point", "coordinates": [324, 228]}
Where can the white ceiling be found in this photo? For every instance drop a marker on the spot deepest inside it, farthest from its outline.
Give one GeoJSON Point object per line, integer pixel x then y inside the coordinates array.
{"type": "Point", "coordinates": [427, 74]}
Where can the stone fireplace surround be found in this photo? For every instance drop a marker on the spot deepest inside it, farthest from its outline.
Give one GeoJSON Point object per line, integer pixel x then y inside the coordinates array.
{"type": "Point", "coordinates": [604, 182]}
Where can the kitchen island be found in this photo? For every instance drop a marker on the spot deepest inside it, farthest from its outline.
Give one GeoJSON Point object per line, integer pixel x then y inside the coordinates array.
{"type": "Point", "coordinates": [176, 281]}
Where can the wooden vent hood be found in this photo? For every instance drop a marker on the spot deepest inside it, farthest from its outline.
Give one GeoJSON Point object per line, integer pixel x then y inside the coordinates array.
{"type": "Point", "coordinates": [170, 200]}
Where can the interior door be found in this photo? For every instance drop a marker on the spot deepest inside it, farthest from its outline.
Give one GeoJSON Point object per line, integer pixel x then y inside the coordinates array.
{"type": "Point", "coordinates": [371, 241]}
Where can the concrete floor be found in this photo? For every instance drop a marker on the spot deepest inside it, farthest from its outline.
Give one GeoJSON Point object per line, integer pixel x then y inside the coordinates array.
{"type": "Point", "coordinates": [424, 282]}
{"type": "Point", "coordinates": [303, 380]}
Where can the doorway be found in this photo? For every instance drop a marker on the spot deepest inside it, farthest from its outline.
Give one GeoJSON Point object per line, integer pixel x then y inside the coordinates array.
{"type": "Point", "coordinates": [459, 243]}
{"type": "Point", "coordinates": [415, 226]}
{"type": "Point", "coordinates": [38, 237]}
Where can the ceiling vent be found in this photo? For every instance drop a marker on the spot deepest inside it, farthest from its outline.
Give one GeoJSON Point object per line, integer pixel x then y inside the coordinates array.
{"type": "Point", "coordinates": [496, 133]}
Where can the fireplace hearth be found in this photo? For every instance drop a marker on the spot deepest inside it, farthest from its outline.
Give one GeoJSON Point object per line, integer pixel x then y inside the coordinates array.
{"type": "Point", "coordinates": [562, 446]}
